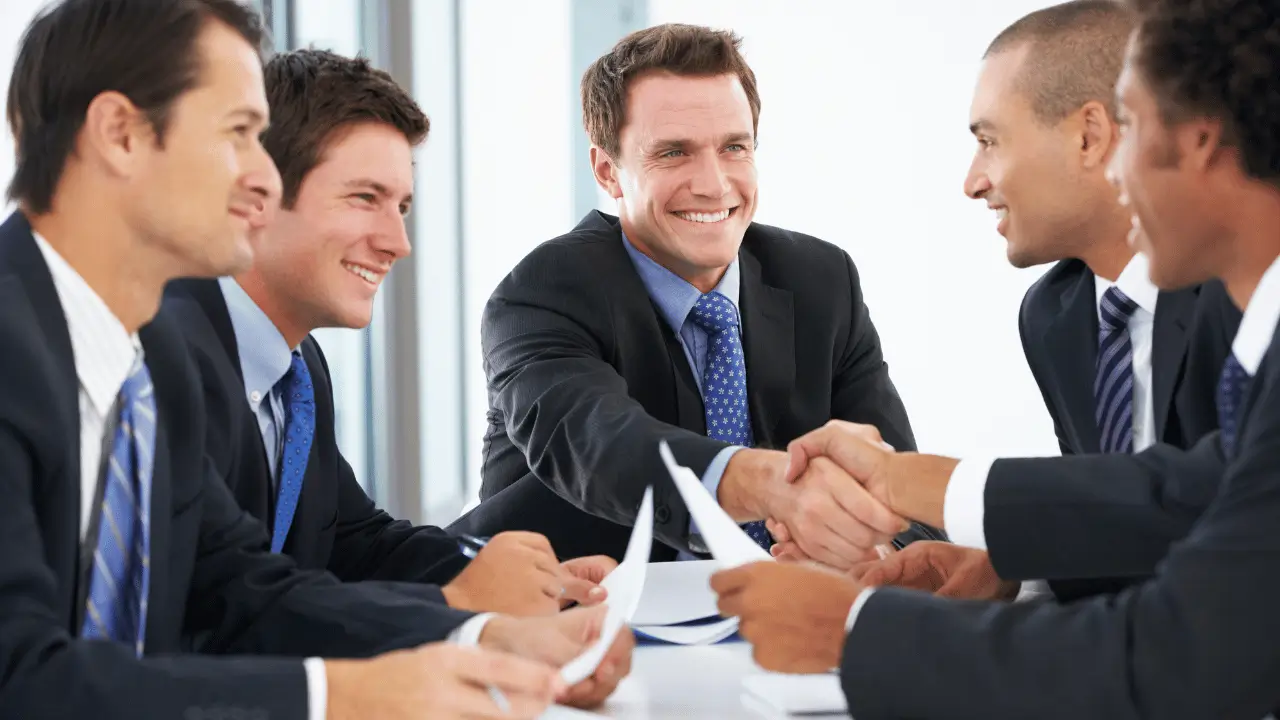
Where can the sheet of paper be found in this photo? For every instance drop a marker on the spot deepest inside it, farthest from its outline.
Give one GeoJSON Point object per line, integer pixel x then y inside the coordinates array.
{"type": "Point", "coordinates": [728, 543]}
{"type": "Point", "coordinates": [625, 585]}
{"type": "Point", "coordinates": [797, 694]}
{"type": "Point", "coordinates": [560, 712]}
{"type": "Point", "coordinates": [677, 592]}
{"type": "Point", "coordinates": [703, 634]}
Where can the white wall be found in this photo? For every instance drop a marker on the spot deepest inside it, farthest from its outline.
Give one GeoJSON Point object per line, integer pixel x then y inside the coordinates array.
{"type": "Point", "coordinates": [14, 17]}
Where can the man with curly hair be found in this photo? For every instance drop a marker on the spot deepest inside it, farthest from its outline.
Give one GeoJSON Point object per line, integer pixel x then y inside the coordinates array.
{"type": "Point", "coordinates": [1199, 165]}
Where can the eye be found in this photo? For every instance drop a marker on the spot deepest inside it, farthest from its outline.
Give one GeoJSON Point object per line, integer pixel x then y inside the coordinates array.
{"type": "Point", "coordinates": [367, 198]}
{"type": "Point", "coordinates": [737, 147]}
{"type": "Point", "coordinates": [986, 143]}
{"type": "Point", "coordinates": [243, 131]}
{"type": "Point", "coordinates": [672, 153]}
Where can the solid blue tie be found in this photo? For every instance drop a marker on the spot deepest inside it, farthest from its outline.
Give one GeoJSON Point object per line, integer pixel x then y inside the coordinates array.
{"type": "Point", "coordinates": [118, 588]}
{"type": "Point", "coordinates": [299, 430]}
{"type": "Point", "coordinates": [1231, 389]}
{"type": "Point", "coordinates": [724, 383]}
{"type": "Point", "coordinates": [1113, 384]}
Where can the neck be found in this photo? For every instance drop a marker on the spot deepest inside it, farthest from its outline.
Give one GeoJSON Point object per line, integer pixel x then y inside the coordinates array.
{"type": "Point", "coordinates": [1108, 251]}
{"type": "Point", "coordinates": [704, 279]}
{"type": "Point", "coordinates": [1253, 245]}
{"type": "Point", "coordinates": [114, 261]}
{"type": "Point", "coordinates": [256, 287]}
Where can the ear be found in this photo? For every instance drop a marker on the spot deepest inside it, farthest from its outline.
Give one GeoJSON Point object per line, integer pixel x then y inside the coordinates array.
{"type": "Point", "coordinates": [114, 131]}
{"type": "Point", "coordinates": [1098, 135]}
{"type": "Point", "coordinates": [1199, 142]}
{"type": "Point", "coordinates": [606, 172]}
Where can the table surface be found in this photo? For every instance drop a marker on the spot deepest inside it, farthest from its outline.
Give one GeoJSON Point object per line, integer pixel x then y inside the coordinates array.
{"type": "Point", "coordinates": [690, 683]}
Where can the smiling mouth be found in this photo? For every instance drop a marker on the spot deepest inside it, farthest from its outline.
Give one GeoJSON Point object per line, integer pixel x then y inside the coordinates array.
{"type": "Point", "coordinates": [363, 273]}
{"type": "Point", "coordinates": [706, 218]}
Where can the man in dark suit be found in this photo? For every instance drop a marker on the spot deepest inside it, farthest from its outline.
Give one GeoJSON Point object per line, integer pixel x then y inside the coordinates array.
{"type": "Point", "coordinates": [678, 320]}
{"type": "Point", "coordinates": [1199, 166]}
{"type": "Point", "coordinates": [1048, 81]}
{"type": "Point", "coordinates": [342, 135]}
{"type": "Point", "coordinates": [123, 541]}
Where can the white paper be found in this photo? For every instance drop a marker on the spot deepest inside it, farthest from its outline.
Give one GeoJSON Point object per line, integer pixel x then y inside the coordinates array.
{"type": "Point", "coordinates": [705, 634]}
{"type": "Point", "coordinates": [625, 585]}
{"type": "Point", "coordinates": [729, 544]}
{"type": "Point", "coordinates": [560, 712]}
{"type": "Point", "coordinates": [797, 694]}
{"type": "Point", "coordinates": [677, 592]}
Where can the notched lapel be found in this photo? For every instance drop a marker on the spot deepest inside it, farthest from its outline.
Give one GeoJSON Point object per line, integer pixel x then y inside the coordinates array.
{"type": "Point", "coordinates": [1169, 350]}
{"type": "Point", "coordinates": [768, 338]}
{"type": "Point", "coordinates": [1071, 341]}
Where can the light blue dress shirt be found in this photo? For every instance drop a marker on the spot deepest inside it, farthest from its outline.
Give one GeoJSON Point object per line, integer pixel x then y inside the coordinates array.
{"type": "Point", "coordinates": [264, 359]}
{"type": "Point", "coordinates": [675, 299]}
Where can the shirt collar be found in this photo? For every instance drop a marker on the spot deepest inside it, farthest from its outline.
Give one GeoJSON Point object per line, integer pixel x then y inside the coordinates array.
{"type": "Point", "coordinates": [675, 296]}
{"type": "Point", "coordinates": [1258, 326]}
{"type": "Point", "coordinates": [264, 354]}
{"type": "Point", "coordinates": [1135, 282]}
{"type": "Point", "coordinates": [104, 351]}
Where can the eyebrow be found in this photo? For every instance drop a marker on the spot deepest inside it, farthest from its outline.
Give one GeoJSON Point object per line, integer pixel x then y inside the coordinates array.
{"type": "Point", "coordinates": [377, 187]}
{"type": "Point", "coordinates": [250, 114]}
{"type": "Point", "coordinates": [981, 126]}
{"type": "Point", "coordinates": [661, 146]}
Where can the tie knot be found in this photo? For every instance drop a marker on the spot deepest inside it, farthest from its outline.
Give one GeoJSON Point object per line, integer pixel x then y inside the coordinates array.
{"type": "Point", "coordinates": [296, 383]}
{"type": "Point", "coordinates": [714, 313]}
{"type": "Point", "coordinates": [1115, 309]}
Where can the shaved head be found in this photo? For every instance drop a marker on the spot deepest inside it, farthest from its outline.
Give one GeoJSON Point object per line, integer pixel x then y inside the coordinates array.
{"type": "Point", "coordinates": [1074, 54]}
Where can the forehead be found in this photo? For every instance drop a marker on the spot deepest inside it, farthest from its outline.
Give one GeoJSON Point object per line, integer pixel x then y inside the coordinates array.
{"type": "Point", "coordinates": [230, 68]}
{"type": "Point", "coordinates": [367, 151]}
{"type": "Point", "coordinates": [662, 106]}
{"type": "Point", "coordinates": [997, 94]}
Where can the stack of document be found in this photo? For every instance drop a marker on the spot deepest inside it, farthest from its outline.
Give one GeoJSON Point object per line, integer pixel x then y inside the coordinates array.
{"type": "Point", "coordinates": [780, 695]}
{"type": "Point", "coordinates": [678, 605]}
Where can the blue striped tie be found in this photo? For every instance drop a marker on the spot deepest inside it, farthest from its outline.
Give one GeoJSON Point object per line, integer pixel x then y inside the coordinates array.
{"type": "Point", "coordinates": [724, 383]}
{"type": "Point", "coordinates": [299, 430]}
{"type": "Point", "coordinates": [1113, 384]}
{"type": "Point", "coordinates": [117, 602]}
{"type": "Point", "coordinates": [1231, 389]}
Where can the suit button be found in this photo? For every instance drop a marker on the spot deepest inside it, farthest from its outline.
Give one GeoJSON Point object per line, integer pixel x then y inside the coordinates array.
{"type": "Point", "coordinates": [662, 514]}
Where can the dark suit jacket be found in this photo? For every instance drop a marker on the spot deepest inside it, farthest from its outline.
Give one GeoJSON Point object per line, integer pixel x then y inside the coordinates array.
{"type": "Point", "coordinates": [336, 526]}
{"type": "Point", "coordinates": [1191, 339]}
{"type": "Point", "coordinates": [1196, 641]}
{"type": "Point", "coordinates": [585, 378]}
{"type": "Point", "coordinates": [210, 574]}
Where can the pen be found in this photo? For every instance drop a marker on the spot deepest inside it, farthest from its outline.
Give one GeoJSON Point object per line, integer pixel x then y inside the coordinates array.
{"type": "Point", "coordinates": [500, 700]}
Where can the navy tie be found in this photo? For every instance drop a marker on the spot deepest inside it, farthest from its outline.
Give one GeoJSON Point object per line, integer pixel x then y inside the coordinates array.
{"type": "Point", "coordinates": [118, 588]}
{"type": "Point", "coordinates": [1113, 383]}
{"type": "Point", "coordinates": [1231, 389]}
{"type": "Point", "coordinates": [299, 430]}
{"type": "Point", "coordinates": [724, 383]}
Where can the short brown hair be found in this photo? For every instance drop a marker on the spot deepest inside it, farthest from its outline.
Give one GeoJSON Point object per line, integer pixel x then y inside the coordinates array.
{"type": "Point", "coordinates": [76, 50]}
{"type": "Point", "coordinates": [1075, 52]}
{"type": "Point", "coordinates": [315, 94]}
{"type": "Point", "coordinates": [687, 50]}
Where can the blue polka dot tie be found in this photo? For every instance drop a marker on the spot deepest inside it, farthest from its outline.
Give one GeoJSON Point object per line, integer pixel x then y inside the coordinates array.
{"type": "Point", "coordinates": [724, 382]}
{"type": "Point", "coordinates": [118, 589]}
{"type": "Point", "coordinates": [299, 430]}
{"type": "Point", "coordinates": [1113, 384]}
{"type": "Point", "coordinates": [1231, 389]}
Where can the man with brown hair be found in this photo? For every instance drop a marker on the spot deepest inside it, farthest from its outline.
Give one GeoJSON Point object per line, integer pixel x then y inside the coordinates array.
{"type": "Point", "coordinates": [679, 320]}
{"type": "Point", "coordinates": [342, 136]}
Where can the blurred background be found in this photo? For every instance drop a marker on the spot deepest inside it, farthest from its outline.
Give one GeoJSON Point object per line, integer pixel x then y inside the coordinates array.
{"type": "Point", "coordinates": [864, 142]}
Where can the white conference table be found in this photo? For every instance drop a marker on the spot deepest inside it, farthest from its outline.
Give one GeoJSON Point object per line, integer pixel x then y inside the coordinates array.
{"type": "Point", "coordinates": [689, 683]}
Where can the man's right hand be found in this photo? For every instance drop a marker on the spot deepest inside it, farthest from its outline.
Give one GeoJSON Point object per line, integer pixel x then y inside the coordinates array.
{"type": "Point", "coordinates": [440, 680]}
{"type": "Point", "coordinates": [941, 568]}
{"type": "Point", "coordinates": [516, 573]}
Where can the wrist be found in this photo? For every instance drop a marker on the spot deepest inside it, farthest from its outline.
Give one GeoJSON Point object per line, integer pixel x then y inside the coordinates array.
{"type": "Point", "coordinates": [751, 481]}
{"type": "Point", "coordinates": [339, 674]}
{"type": "Point", "coordinates": [495, 633]}
{"type": "Point", "coordinates": [914, 485]}
{"type": "Point", "coordinates": [456, 596]}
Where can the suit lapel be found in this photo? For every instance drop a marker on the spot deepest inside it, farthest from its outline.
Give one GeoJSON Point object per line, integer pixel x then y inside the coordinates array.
{"type": "Point", "coordinates": [1168, 350]}
{"type": "Point", "coordinates": [768, 330]}
{"type": "Point", "coordinates": [1071, 341]}
{"type": "Point", "coordinates": [161, 509]}
{"type": "Point", "coordinates": [207, 295]}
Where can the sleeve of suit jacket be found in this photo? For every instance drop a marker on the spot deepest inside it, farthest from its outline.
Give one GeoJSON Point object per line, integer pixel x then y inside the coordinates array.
{"type": "Point", "coordinates": [371, 545]}
{"type": "Point", "coordinates": [1198, 641]}
{"type": "Point", "coordinates": [547, 350]}
{"type": "Point", "coordinates": [862, 391]}
{"type": "Point", "coordinates": [46, 673]}
{"type": "Point", "coordinates": [1096, 515]}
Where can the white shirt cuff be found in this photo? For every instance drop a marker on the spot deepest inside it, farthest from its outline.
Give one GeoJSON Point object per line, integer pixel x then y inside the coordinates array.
{"type": "Point", "coordinates": [468, 633]}
{"type": "Point", "coordinates": [317, 688]}
{"type": "Point", "coordinates": [964, 506]}
{"type": "Point", "coordinates": [857, 608]}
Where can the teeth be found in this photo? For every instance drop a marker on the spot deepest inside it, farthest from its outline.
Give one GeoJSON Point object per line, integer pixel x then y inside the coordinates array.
{"type": "Point", "coordinates": [371, 277]}
{"type": "Point", "coordinates": [704, 217]}
{"type": "Point", "coordinates": [1002, 213]}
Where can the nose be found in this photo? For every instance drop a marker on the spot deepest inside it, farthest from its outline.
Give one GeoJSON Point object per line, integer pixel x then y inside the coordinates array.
{"type": "Point", "coordinates": [392, 242]}
{"type": "Point", "coordinates": [264, 182]}
{"type": "Point", "coordinates": [976, 183]}
{"type": "Point", "coordinates": [709, 178]}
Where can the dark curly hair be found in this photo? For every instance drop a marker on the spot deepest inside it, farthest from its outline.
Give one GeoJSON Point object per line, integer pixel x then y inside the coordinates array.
{"type": "Point", "coordinates": [1217, 59]}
